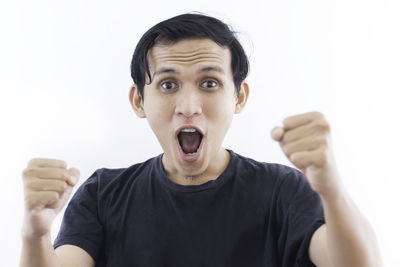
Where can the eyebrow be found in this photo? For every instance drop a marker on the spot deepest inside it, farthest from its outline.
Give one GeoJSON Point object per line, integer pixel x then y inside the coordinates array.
{"type": "Point", "coordinates": [205, 69]}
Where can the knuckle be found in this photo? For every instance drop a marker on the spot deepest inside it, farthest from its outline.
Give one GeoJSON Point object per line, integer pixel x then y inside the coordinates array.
{"type": "Point", "coordinates": [29, 199]}
{"type": "Point", "coordinates": [322, 142]}
{"type": "Point", "coordinates": [23, 174]}
{"type": "Point", "coordinates": [64, 174]}
{"type": "Point", "coordinates": [63, 186]}
{"type": "Point", "coordinates": [318, 114]}
{"type": "Point", "coordinates": [29, 184]}
{"type": "Point", "coordinates": [28, 172]}
{"type": "Point", "coordinates": [322, 125]}
{"type": "Point", "coordinates": [60, 174]}
{"type": "Point", "coordinates": [33, 162]}
{"type": "Point", "coordinates": [63, 163]}
{"type": "Point", "coordinates": [286, 121]}
{"type": "Point", "coordinates": [54, 196]}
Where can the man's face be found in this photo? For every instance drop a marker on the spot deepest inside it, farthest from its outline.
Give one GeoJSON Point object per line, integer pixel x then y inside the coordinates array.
{"type": "Point", "coordinates": [189, 105]}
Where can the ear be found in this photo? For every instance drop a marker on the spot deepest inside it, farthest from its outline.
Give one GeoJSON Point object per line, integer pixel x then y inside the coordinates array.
{"type": "Point", "coordinates": [136, 101]}
{"type": "Point", "coordinates": [242, 97]}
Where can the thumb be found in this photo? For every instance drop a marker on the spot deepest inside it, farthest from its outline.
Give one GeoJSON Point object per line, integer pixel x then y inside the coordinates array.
{"type": "Point", "coordinates": [277, 133]}
{"type": "Point", "coordinates": [73, 176]}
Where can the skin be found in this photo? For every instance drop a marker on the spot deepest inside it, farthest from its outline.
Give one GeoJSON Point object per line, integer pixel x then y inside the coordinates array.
{"type": "Point", "coordinates": [206, 99]}
{"type": "Point", "coordinates": [346, 239]}
{"type": "Point", "coordinates": [198, 90]}
{"type": "Point", "coordinates": [48, 184]}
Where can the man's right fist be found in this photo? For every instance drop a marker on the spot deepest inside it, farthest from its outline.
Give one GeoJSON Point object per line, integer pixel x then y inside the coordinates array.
{"type": "Point", "coordinates": [47, 187]}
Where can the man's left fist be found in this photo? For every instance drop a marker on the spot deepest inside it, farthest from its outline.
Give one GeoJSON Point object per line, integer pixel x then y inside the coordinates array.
{"type": "Point", "coordinates": [305, 140]}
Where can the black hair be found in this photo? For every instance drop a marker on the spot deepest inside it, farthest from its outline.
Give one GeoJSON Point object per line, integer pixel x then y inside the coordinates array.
{"type": "Point", "coordinates": [188, 26]}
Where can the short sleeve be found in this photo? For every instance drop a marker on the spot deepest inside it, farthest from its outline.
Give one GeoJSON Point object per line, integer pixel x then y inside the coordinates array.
{"type": "Point", "coordinates": [81, 225]}
{"type": "Point", "coordinates": [302, 215]}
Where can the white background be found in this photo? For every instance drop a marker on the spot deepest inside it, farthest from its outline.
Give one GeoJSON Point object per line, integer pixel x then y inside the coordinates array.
{"type": "Point", "coordinates": [64, 80]}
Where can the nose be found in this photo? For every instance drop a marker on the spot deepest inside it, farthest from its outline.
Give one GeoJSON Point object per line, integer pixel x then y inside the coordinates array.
{"type": "Point", "coordinates": [188, 103]}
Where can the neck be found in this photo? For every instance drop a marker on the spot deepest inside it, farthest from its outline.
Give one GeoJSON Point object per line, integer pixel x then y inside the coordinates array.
{"type": "Point", "coordinates": [216, 166]}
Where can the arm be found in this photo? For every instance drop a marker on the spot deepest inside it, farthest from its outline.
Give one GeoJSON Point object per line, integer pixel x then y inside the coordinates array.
{"type": "Point", "coordinates": [47, 188]}
{"type": "Point", "coordinates": [40, 252]}
{"type": "Point", "coordinates": [346, 239]}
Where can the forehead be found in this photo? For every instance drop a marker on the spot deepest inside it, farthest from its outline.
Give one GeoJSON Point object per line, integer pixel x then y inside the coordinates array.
{"type": "Point", "coordinates": [189, 52]}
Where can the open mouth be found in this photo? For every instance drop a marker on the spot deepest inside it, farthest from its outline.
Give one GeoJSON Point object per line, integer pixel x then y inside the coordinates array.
{"type": "Point", "coordinates": [189, 139]}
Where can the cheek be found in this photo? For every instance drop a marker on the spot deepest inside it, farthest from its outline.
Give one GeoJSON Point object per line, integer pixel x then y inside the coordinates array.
{"type": "Point", "coordinates": [158, 111]}
{"type": "Point", "coordinates": [154, 103]}
{"type": "Point", "coordinates": [220, 109]}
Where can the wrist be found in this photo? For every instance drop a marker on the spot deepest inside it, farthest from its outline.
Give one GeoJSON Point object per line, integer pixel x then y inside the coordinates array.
{"type": "Point", "coordinates": [30, 238]}
{"type": "Point", "coordinates": [327, 183]}
{"type": "Point", "coordinates": [34, 231]}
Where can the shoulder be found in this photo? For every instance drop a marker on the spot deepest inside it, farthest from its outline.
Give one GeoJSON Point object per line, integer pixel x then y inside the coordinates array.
{"type": "Point", "coordinates": [266, 169]}
{"type": "Point", "coordinates": [278, 180]}
{"type": "Point", "coordinates": [103, 180]}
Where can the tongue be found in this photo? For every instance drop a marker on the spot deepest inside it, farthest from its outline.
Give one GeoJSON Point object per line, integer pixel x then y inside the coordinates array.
{"type": "Point", "coordinates": [190, 142]}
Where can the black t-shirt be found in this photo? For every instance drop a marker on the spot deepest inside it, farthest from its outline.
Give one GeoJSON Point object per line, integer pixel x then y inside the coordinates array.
{"type": "Point", "coordinates": [253, 214]}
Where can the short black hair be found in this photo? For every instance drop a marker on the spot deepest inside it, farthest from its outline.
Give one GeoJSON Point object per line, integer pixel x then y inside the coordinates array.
{"type": "Point", "coordinates": [187, 26]}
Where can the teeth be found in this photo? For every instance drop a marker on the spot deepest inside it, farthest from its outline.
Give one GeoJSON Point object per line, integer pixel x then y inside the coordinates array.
{"type": "Point", "coordinates": [188, 130]}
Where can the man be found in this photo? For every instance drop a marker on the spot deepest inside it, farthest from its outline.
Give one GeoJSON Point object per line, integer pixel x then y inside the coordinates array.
{"type": "Point", "coordinates": [198, 204]}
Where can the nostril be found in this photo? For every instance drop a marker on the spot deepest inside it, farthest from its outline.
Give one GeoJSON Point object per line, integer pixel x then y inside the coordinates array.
{"type": "Point", "coordinates": [188, 109]}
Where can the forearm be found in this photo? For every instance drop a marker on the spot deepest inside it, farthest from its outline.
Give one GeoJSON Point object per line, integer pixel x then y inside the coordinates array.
{"type": "Point", "coordinates": [38, 252]}
{"type": "Point", "coordinates": [350, 238]}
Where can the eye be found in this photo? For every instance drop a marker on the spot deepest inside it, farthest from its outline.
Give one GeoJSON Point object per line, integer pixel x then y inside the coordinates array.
{"type": "Point", "coordinates": [169, 85]}
{"type": "Point", "coordinates": [209, 84]}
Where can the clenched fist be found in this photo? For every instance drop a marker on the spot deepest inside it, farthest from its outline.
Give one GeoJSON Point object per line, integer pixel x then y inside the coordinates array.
{"type": "Point", "coordinates": [305, 140]}
{"type": "Point", "coordinates": [47, 187]}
